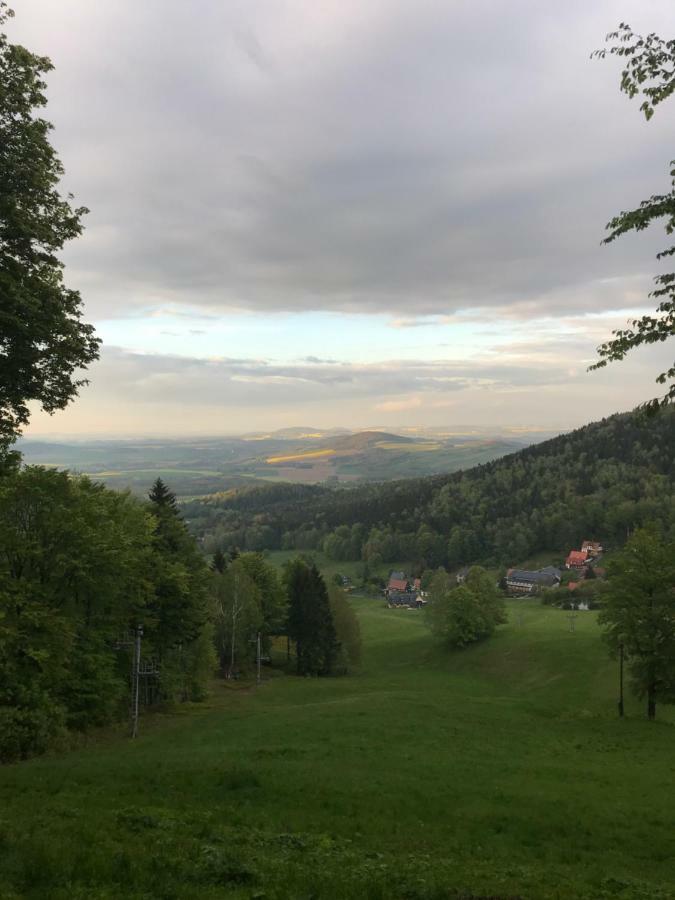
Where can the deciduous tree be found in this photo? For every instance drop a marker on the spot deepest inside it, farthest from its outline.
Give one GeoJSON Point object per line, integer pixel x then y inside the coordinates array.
{"type": "Point", "coordinates": [649, 70]}
{"type": "Point", "coordinates": [43, 341]}
{"type": "Point", "coordinates": [639, 613]}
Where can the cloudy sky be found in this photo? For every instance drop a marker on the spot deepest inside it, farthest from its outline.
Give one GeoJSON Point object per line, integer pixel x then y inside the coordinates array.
{"type": "Point", "coordinates": [331, 212]}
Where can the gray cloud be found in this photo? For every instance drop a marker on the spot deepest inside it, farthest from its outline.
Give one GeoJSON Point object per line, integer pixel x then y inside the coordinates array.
{"type": "Point", "coordinates": [365, 157]}
{"type": "Point", "coordinates": [149, 378]}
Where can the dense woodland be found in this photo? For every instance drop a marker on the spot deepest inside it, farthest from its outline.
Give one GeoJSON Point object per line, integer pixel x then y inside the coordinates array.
{"type": "Point", "coordinates": [81, 567]}
{"type": "Point", "coordinates": [603, 480]}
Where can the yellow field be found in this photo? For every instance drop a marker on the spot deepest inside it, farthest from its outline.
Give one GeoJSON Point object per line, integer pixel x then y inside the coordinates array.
{"type": "Point", "coordinates": [294, 457]}
{"type": "Point", "coordinates": [411, 448]}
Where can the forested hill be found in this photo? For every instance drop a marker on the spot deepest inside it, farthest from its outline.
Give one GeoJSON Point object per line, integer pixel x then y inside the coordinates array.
{"type": "Point", "coordinates": [599, 481]}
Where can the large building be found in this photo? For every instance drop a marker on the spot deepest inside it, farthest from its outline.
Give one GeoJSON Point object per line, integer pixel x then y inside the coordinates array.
{"type": "Point", "coordinates": [521, 581]}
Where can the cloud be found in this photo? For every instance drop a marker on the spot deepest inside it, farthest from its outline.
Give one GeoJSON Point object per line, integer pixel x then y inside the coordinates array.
{"type": "Point", "coordinates": [399, 405]}
{"type": "Point", "coordinates": [349, 156]}
{"type": "Point", "coordinates": [151, 393]}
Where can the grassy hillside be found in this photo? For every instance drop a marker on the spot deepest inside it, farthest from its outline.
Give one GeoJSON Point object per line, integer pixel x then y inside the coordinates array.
{"type": "Point", "coordinates": [498, 771]}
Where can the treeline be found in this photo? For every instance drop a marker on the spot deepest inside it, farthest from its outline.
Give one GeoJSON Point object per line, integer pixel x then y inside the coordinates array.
{"type": "Point", "coordinates": [603, 480]}
{"type": "Point", "coordinates": [81, 567]}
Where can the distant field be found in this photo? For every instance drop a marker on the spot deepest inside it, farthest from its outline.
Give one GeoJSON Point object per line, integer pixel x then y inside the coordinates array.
{"type": "Point", "coordinates": [308, 454]}
{"type": "Point", "coordinates": [203, 466]}
{"type": "Point", "coordinates": [408, 448]}
{"type": "Point", "coordinates": [499, 771]}
{"type": "Point", "coordinates": [150, 473]}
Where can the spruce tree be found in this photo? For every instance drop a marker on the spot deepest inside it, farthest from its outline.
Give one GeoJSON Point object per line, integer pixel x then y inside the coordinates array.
{"type": "Point", "coordinates": [162, 497]}
{"type": "Point", "coordinates": [219, 562]}
{"type": "Point", "coordinates": [310, 620]}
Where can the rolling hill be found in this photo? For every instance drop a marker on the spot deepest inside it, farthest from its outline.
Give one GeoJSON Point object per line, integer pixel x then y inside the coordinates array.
{"type": "Point", "coordinates": [601, 480]}
{"type": "Point", "coordinates": [208, 465]}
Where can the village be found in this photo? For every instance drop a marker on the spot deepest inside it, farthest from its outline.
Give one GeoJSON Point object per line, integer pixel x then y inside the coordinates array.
{"type": "Point", "coordinates": [580, 565]}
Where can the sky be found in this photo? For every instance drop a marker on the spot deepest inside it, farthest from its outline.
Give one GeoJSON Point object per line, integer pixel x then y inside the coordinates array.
{"type": "Point", "coordinates": [337, 213]}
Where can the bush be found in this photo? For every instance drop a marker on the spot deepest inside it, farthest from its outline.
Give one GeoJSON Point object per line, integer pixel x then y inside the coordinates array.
{"type": "Point", "coordinates": [25, 732]}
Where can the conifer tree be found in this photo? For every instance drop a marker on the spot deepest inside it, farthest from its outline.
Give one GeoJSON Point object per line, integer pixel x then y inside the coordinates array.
{"type": "Point", "coordinates": [219, 562]}
{"type": "Point", "coordinates": [310, 620]}
{"type": "Point", "coordinates": [162, 497]}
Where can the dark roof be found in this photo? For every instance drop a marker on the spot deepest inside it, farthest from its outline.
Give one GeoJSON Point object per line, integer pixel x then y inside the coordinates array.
{"type": "Point", "coordinates": [551, 570]}
{"type": "Point", "coordinates": [525, 577]}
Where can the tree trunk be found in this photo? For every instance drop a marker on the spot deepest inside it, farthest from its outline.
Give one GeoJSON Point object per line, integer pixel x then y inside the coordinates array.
{"type": "Point", "coordinates": [651, 702]}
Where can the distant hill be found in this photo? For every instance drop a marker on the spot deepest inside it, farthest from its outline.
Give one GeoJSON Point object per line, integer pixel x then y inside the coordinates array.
{"type": "Point", "coordinates": [598, 482]}
{"type": "Point", "coordinates": [208, 465]}
{"type": "Point", "coordinates": [364, 440]}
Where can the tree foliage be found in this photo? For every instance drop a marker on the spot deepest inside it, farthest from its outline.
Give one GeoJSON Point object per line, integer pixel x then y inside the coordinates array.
{"type": "Point", "coordinates": [649, 70]}
{"type": "Point", "coordinates": [639, 614]}
{"type": "Point", "coordinates": [310, 619]}
{"type": "Point", "coordinates": [80, 567]}
{"type": "Point", "coordinates": [347, 628]}
{"type": "Point", "coordinates": [601, 481]}
{"type": "Point", "coordinates": [463, 614]}
{"type": "Point", "coordinates": [43, 341]}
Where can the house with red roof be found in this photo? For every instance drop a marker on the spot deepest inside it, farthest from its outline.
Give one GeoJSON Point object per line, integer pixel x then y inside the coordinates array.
{"type": "Point", "coordinates": [397, 584]}
{"type": "Point", "coordinates": [576, 559]}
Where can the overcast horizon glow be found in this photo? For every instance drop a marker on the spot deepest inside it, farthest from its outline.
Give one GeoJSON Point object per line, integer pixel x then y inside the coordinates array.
{"type": "Point", "coordinates": [338, 213]}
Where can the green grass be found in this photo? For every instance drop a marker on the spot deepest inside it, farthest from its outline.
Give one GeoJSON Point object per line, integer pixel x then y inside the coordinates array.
{"type": "Point", "coordinates": [497, 771]}
{"type": "Point", "coordinates": [329, 567]}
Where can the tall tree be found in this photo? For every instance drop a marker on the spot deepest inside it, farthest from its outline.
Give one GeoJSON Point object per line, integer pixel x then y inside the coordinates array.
{"type": "Point", "coordinates": [162, 497]}
{"type": "Point", "coordinates": [238, 616]}
{"type": "Point", "coordinates": [310, 620]}
{"type": "Point", "coordinates": [649, 70]}
{"type": "Point", "coordinates": [43, 341]}
{"type": "Point", "coordinates": [639, 613]}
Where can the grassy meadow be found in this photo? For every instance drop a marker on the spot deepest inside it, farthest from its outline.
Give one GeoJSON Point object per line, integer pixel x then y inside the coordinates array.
{"type": "Point", "coordinates": [498, 771]}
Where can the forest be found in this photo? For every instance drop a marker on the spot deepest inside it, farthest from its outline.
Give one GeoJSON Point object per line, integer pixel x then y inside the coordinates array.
{"type": "Point", "coordinates": [604, 480]}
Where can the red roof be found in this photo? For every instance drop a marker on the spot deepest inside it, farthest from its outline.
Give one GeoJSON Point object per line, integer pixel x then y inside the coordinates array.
{"type": "Point", "coordinates": [398, 584]}
{"type": "Point", "coordinates": [577, 558]}
{"type": "Point", "coordinates": [572, 585]}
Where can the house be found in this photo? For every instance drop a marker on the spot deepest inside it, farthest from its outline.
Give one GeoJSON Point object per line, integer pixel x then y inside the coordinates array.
{"type": "Point", "coordinates": [521, 581]}
{"type": "Point", "coordinates": [460, 577]}
{"type": "Point", "coordinates": [405, 598]}
{"type": "Point", "coordinates": [398, 582]}
{"type": "Point", "coordinates": [576, 559]}
{"type": "Point", "coordinates": [592, 548]}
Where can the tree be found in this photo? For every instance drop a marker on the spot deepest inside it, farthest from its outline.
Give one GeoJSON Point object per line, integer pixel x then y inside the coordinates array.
{"type": "Point", "coordinates": [238, 615]}
{"type": "Point", "coordinates": [347, 629]}
{"type": "Point", "coordinates": [179, 605]}
{"type": "Point", "coordinates": [43, 341]}
{"type": "Point", "coordinates": [310, 620]}
{"type": "Point", "coordinates": [162, 497]}
{"type": "Point", "coordinates": [650, 71]}
{"type": "Point", "coordinates": [464, 614]}
{"type": "Point", "coordinates": [639, 614]}
{"type": "Point", "coordinates": [489, 599]}
{"type": "Point", "coordinates": [74, 564]}
{"type": "Point", "coordinates": [272, 598]}
{"type": "Point", "coordinates": [219, 562]}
